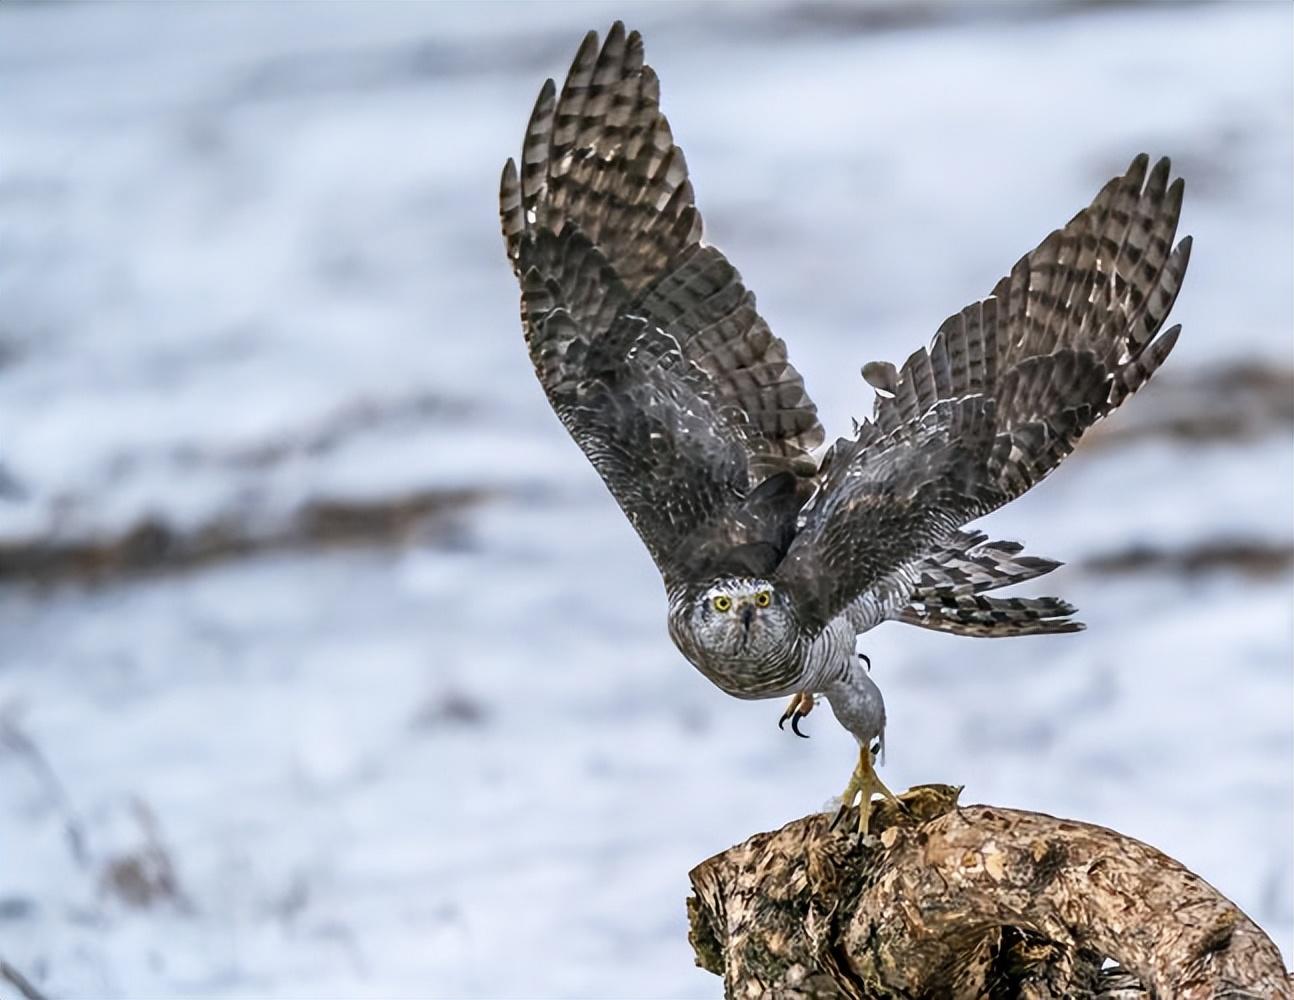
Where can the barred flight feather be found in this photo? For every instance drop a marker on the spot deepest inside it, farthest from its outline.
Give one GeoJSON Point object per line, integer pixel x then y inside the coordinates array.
{"type": "Point", "coordinates": [652, 352]}
{"type": "Point", "coordinates": [621, 303]}
{"type": "Point", "coordinates": [992, 618]}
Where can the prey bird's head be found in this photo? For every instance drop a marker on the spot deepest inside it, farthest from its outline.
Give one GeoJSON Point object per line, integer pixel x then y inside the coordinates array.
{"type": "Point", "coordinates": [739, 618]}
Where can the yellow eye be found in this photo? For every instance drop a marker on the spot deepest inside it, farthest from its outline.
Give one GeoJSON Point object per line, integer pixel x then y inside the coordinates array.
{"type": "Point", "coordinates": [722, 602]}
{"type": "Point", "coordinates": [763, 599]}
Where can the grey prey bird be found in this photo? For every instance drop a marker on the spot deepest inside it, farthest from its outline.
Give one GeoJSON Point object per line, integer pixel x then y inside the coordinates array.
{"type": "Point", "coordinates": [652, 353]}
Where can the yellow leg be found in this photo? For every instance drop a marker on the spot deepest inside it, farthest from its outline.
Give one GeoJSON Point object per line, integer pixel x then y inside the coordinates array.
{"type": "Point", "coordinates": [864, 783]}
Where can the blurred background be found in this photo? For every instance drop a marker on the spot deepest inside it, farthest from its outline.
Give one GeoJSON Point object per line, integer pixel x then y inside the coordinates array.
{"type": "Point", "coordinates": [327, 664]}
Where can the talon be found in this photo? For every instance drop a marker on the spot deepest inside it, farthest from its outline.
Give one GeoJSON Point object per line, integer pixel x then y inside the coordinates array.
{"type": "Point", "coordinates": [866, 659]}
{"type": "Point", "coordinates": [801, 704]}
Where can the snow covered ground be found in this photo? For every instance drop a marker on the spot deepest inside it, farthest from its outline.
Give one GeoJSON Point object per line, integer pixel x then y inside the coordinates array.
{"type": "Point", "coordinates": [249, 262]}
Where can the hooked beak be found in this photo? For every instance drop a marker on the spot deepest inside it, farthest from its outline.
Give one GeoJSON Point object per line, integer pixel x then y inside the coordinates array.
{"type": "Point", "coordinates": [747, 615]}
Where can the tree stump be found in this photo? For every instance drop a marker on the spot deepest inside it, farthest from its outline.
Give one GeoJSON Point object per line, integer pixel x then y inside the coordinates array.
{"type": "Point", "coordinates": [970, 902]}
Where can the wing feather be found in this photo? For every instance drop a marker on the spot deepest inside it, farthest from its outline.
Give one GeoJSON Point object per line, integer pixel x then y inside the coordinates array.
{"type": "Point", "coordinates": [886, 501]}
{"type": "Point", "coordinates": [652, 352]}
{"type": "Point", "coordinates": [1065, 338]}
{"type": "Point", "coordinates": [1068, 334]}
{"type": "Point", "coordinates": [647, 343]}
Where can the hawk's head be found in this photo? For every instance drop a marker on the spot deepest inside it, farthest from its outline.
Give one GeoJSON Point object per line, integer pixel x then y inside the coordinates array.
{"type": "Point", "coordinates": [738, 619]}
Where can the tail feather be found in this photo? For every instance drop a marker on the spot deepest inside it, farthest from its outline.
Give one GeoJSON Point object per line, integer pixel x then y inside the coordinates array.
{"type": "Point", "coordinates": [993, 617]}
{"type": "Point", "coordinates": [949, 584]}
{"type": "Point", "coordinates": [972, 565]}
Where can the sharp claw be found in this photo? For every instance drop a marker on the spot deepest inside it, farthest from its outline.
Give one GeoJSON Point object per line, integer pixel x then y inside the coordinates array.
{"type": "Point", "coordinates": [866, 659]}
{"type": "Point", "coordinates": [840, 814]}
{"type": "Point", "coordinates": [796, 711]}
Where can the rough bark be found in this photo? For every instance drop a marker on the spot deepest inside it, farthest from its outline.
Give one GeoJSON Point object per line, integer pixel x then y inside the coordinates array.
{"type": "Point", "coordinates": [970, 902]}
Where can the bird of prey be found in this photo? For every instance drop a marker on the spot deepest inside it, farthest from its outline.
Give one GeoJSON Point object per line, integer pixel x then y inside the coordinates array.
{"type": "Point", "coordinates": [651, 352]}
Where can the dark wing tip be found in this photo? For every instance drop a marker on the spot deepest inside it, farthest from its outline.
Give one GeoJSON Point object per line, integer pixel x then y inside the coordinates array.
{"type": "Point", "coordinates": [586, 53]}
{"type": "Point", "coordinates": [538, 138]}
{"type": "Point", "coordinates": [1157, 182]}
{"type": "Point", "coordinates": [511, 214]}
{"type": "Point", "coordinates": [1166, 340]}
{"type": "Point", "coordinates": [1040, 564]}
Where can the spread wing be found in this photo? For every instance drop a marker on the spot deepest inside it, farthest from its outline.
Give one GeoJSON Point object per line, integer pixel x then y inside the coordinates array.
{"type": "Point", "coordinates": [646, 342]}
{"type": "Point", "coordinates": [1002, 395]}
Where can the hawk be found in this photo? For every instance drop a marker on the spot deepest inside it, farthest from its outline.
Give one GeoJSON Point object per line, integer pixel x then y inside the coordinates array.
{"type": "Point", "coordinates": [652, 353]}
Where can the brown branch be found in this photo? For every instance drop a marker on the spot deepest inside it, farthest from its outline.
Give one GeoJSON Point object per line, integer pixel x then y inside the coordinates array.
{"type": "Point", "coordinates": [974, 902]}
